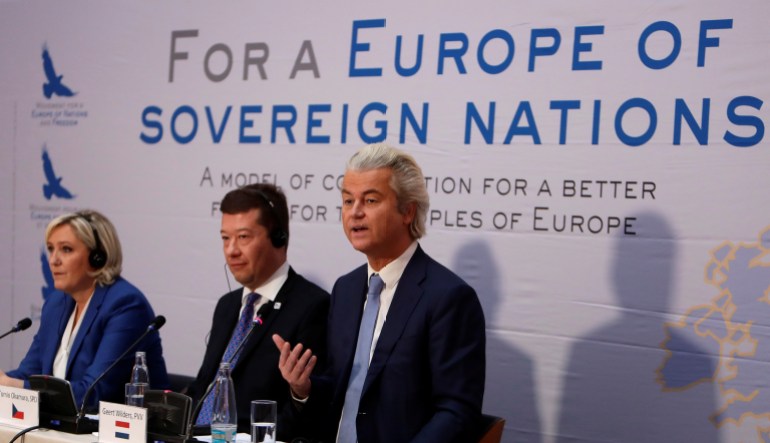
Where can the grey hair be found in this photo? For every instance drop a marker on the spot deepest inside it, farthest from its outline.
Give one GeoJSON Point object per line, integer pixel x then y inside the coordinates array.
{"type": "Point", "coordinates": [407, 180]}
{"type": "Point", "coordinates": [84, 223]}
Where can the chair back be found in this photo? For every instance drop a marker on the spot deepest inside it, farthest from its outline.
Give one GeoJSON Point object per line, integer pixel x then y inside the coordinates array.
{"type": "Point", "coordinates": [179, 382]}
{"type": "Point", "coordinates": [491, 429]}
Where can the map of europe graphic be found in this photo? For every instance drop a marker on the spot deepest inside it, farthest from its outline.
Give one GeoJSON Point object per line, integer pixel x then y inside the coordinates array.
{"type": "Point", "coordinates": [732, 332]}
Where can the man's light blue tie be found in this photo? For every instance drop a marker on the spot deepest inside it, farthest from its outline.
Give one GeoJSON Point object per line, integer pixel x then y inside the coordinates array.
{"type": "Point", "coordinates": [245, 323]}
{"type": "Point", "coordinates": [360, 362]}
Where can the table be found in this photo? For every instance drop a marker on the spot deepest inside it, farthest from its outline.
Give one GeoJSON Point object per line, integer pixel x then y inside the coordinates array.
{"type": "Point", "coordinates": [49, 436]}
{"type": "Point", "coordinates": [44, 436]}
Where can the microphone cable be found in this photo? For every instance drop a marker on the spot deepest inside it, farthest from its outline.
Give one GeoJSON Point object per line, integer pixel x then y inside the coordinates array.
{"type": "Point", "coordinates": [24, 431]}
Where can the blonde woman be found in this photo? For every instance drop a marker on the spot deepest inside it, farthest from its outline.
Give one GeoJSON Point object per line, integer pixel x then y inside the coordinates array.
{"type": "Point", "coordinates": [93, 316]}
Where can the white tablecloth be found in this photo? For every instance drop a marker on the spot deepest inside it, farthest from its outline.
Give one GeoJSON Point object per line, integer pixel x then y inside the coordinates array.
{"type": "Point", "coordinates": [44, 436]}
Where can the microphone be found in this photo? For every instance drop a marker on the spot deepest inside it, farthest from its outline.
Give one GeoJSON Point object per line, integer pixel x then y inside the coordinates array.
{"type": "Point", "coordinates": [154, 325]}
{"type": "Point", "coordinates": [23, 324]}
{"type": "Point", "coordinates": [262, 312]}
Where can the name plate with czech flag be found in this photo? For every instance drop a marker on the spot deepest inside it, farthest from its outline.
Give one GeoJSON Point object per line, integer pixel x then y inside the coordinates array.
{"type": "Point", "coordinates": [19, 407]}
{"type": "Point", "coordinates": [122, 424]}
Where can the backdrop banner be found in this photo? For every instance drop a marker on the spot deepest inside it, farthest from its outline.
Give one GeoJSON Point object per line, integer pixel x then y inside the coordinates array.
{"type": "Point", "coordinates": [597, 172]}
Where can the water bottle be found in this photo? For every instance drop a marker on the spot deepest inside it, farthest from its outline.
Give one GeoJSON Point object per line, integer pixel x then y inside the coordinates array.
{"type": "Point", "coordinates": [140, 374]}
{"type": "Point", "coordinates": [224, 417]}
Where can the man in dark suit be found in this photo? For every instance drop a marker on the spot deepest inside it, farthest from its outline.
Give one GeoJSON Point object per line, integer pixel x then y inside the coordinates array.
{"type": "Point", "coordinates": [255, 233]}
{"type": "Point", "coordinates": [416, 374]}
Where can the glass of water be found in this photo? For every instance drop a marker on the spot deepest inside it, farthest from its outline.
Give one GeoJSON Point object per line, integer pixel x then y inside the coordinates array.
{"type": "Point", "coordinates": [263, 416]}
{"type": "Point", "coordinates": [135, 394]}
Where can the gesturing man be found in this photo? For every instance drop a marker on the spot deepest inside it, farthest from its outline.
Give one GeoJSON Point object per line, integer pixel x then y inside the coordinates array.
{"type": "Point", "coordinates": [406, 336]}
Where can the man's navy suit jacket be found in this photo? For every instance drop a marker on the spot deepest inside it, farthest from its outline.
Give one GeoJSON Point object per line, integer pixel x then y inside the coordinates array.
{"type": "Point", "coordinates": [426, 378]}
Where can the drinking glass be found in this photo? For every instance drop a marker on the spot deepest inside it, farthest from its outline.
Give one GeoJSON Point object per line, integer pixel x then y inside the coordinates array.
{"type": "Point", "coordinates": [135, 393]}
{"type": "Point", "coordinates": [263, 417]}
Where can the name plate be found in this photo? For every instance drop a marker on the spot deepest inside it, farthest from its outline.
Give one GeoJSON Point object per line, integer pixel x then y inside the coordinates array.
{"type": "Point", "coordinates": [19, 407]}
{"type": "Point", "coordinates": [122, 424]}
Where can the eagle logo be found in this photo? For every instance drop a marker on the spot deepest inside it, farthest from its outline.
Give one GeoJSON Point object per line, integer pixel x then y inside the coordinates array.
{"type": "Point", "coordinates": [53, 187]}
{"type": "Point", "coordinates": [53, 85]}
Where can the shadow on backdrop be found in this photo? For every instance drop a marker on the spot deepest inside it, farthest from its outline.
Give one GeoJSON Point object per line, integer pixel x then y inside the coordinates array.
{"type": "Point", "coordinates": [510, 385]}
{"type": "Point", "coordinates": [610, 392]}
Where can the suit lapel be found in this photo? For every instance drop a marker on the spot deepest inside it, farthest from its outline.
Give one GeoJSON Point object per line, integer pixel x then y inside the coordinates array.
{"type": "Point", "coordinates": [407, 295]}
{"type": "Point", "coordinates": [52, 348]}
{"type": "Point", "coordinates": [86, 321]}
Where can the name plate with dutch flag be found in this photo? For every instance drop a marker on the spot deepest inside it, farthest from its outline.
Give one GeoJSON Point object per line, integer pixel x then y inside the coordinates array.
{"type": "Point", "coordinates": [122, 424]}
{"type": "Point", "coordinates": [19, 407]}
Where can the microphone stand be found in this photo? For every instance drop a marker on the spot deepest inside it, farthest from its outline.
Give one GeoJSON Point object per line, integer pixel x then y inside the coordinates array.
{"type": "Point", "coordinates": [263, 311]}
{"type": "Point", "coordinates": [8, 333]}
{"type": "Point", "coordinates": [154, 326]}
